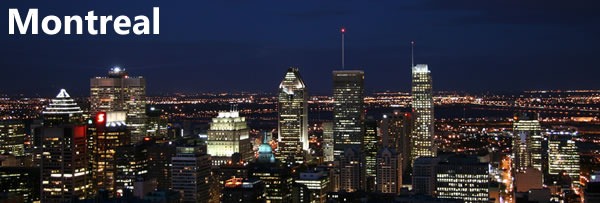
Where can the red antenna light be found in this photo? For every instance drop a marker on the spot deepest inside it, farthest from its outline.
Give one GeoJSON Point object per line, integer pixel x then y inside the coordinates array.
{"type": "Point", "coordinates": [343, 30]}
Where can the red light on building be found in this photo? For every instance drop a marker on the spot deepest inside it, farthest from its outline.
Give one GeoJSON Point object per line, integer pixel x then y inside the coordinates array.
{"type": "Point", "coordinates": [146, 139]}
{"type": "Point", "coordinates": [343, 30]}
{"type": "Point", "coordinates": [79, 131]}
{"type": "Point", "coordinates": [101, 117]}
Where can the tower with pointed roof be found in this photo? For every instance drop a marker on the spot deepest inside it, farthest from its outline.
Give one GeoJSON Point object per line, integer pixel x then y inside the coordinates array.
{"type": "Point", "coordinates": [292, 118]}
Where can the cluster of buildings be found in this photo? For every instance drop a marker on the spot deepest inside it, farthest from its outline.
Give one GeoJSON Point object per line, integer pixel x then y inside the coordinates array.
{"type": "Point", "coordinates": [123, 149]}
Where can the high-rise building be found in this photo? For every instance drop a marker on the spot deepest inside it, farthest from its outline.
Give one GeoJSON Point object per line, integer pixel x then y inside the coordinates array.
{"type": "Point", "coordinates": [352, 172]}
{"type": "Point", "coordinates": [120, 92]}
{"type": "Point", "coordinates": [422, 104]}
{"type": "Point", "coordinates": [463, 177]}
{"type": "Point", "coordinates": [12, 137]}
{"type": "Point", "coordinates": [191, 172]}
{"type": "Point", "coordinates": [563, 155]}
{"type": "Point", "coordinates": [159, 164]}
{"type": "Point", "coordinates": [396, 133]}
{"type": "Point", "coordinates": [371, 147]}
{"type": "Point", "coordinates": [293, 118]}
{"type": "Point", "coordinates": [348, 109]}
{"type": "Point", "coordinates": [228, 134]}
{"type": "Point", "coordinates": [64, 161]}
{"type": "Point", "coordinates": [108, 131]}
{"type": "Point", "coordinates": [327, 144]}
{"type": "Point", "coordinates": [423, 179]}
{"type": "Point", "coordinates": [277, 178]}
{"type": "Point", "coordinates": [317, 183]}
{"type": "Point", "coordinates": [132, 167]}
{"type": "Point", "coordinates": [527, 142]}
{"type": "Point", "coordinates": [389, 171]}
{"type": "Point", "coordinates": [156, 123]}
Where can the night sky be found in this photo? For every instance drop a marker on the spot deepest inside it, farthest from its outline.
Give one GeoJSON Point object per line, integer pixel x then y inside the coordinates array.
{"type": "Point", "coordinates": [235, 45]}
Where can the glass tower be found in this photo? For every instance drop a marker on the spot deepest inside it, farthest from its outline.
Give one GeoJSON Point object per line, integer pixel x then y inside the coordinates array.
{"type": "Point", "coordinates": [527, 142]}
{"type": "Point", "coordinates": [422, 105]}
{"type": "Point", "coordinates": [293, 117]}
{"type": "Point", "coordinates": [348, 109]}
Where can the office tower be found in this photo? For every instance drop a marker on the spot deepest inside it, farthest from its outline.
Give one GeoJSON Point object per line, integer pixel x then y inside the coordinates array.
{"type": "Point", "coordinates": [371, 147]}
{"type": "Point", "coordinates": [108, 131]}
{"type": "Point", "coordinates": [64, 161]}
{"type": "Point", "coordinates": [527, 142]}
{"type": "Point", "coordinates": [12, 137]}
{"type": "Point", "coordinates": [423, 179]}
{"type": "Point", "coordinates": [463, 177]}
{"type": "Point", "coordinates": [389, 171]}
{"type": "Point", "coordinates": [348, 109]}
{"type": "Point", "coordinates": [120, 92]}
{"type": "Point", "coordinates": [327, 144]}
{"type": "Point", "coordinates": [19, 184]}
{"type": "Point", "coordinates": [293, 118]}
{"type": "Point", "coordinates": [228, 134]}
{"type": "Point", "coordinates": [159, 164]}
{"type": "Point", "coordinates": [191, 172]}
{"type": "Point", "coordinates": [156, 123]}
{"type": "Point", "coordinates": [563, 155]}
{"type": "Point", "coordinates": [352, 175]}
{"type": "Point", "coordinates": [132, 169]}
{"type": "Point", "coordinates": [396, 133]}
{"type": "Point", "coordinates": [317, 183]}
{"type": "Point", "coordinates": [277, 178]}
{"type": "Point", "coordinates": [240, 190]}
{"type": "Point", "coordinates": [422, 105]}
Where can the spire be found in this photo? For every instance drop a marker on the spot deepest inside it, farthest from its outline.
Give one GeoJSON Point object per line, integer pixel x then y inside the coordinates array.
{"type": "Point", "coordinates": [343, 30]}
{"type": "Point", "coordinates": [412, 53]}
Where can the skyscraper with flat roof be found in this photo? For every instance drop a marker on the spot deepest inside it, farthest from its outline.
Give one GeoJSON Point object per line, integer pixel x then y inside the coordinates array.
{"type": "Point", "coordinates": [120, 92]}
{"type": "Point", "coordinates": [348, 109]}
{"type": "Point", "coordinates": [422, 104]}
{"type": "Point", "coordinates": [527, 142]}
{"type": "Point", "coordinates": [228, 134]}
{"type": "Point", "coordinates": [292, 111]}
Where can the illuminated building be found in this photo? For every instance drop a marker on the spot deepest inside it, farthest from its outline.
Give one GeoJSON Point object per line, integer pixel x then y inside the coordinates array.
{"type": "Point", "coordinates": [159, 163]}
{"type": "Point", "coordinates": [317, 183]}
{"type": "Point", "coordinates": [389, 171]}
{"type": "Point", "coordinates": [12, 137]}
{"type": "Point", "coordinates": [371, 147]}
{"type": "Point", "coordinates": [423, 178]}
{"type": "Point", "coordinates": [463, 177]}
{"type": "Point", "coordinates": [19, 184]}
{"type": "Point", "coordinates": [563, 155]}
{"type": "Point", "coordinates": [527, 142]}
{"type": "Point", "coordinates": [131, 167]}
{"type": "Point", "coordinates": [190, 174]}
{"type": "Point", "coordinates": [228, 134]}
{"type": "Point", "coordinates": [119, 92]}
{"type": "Point", "coordinates": [327, 141]}
{"type": "Point", "coordinates": [64, 160]}
{"type": "Point", "coordinates": [277, 178]}
{"type": "Point", "coordinates": [292, 111]}
{"type": "Point", "coordinates": [395, 133]}
{"type": "Point", "coordinates": [422, 106]}
{"type": "Point", "coordinates": [352, 177]}
{"type": "Point", "coordinates": [157, 123]}
{"type": "Point", "coordinates": [109, 132]}
{"type": "Point", "coordinates": [240, 190]}
{"type": "Point", "coordinates": [348, 109]}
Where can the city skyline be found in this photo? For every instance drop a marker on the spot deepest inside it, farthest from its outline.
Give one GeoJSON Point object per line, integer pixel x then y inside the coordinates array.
{"type": "Point", "coordinates": [466, 42]}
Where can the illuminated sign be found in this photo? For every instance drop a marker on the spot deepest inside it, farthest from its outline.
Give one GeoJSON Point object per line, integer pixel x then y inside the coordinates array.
{"type": "Point", "coordinates": [101, 117]}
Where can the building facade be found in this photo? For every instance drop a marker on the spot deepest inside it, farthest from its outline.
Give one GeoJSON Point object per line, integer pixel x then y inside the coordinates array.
{"type": "Point", "coordinates": [348, 109]}
{"type": "Point", "coordinates": [228, 134]}
{"type": "Point", "coordinates": [527, 142]}
{"type": "Point", "coordinates": [292, 108]}
{"type": "Point", "coordinates": [190, 174]}
{"type": "Point", "coordinates": [389, 171]}
{"type": "Point", "coordinates": [120, 92]}
{"type": "Point", "coordinates": [422, 105]}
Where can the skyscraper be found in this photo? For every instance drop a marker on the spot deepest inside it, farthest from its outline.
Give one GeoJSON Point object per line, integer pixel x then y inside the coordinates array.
{"type": "Point", "coordinates": [422, 105]}
{"type": "Point", "coordinates": [352, 172]}
{"type": "Point", "coordinates": [120, 92]}
{"type": "Point", "coordinates": [12, 137]}
{"type": "Point", "coordinates": [228, 134]}
{"type": "Point", "coordinates": [463, 177]}
{"type": "Point", "coordinates": [527, 142]}
{"type": "Point", "coordinates": [348, 109]}
{"type": "Point", "coordinates": [108, 131]}
{"type": "Point", "coordinates": [293, 117]}
{"type": "Point", "coordinates": [396, 133]}
{"type": "Point", "coordinates": [563, 155]}
{"type": "Point", "coordinates": [64, 163]}
{"type": "Point", "coordinates": [389, 171]}
{"type": "Point", "coordinates": [191, 171]}
{"type": "Point", "coordinates": [371, 147]}
{"type": "Point", "coordinates": [327, 144]}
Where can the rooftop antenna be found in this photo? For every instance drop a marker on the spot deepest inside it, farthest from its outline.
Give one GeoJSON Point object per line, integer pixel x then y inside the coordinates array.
{"type": "Point", "coordinates": [343, 30]}
{"type": "Point", "coordinates": [412, 53]}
